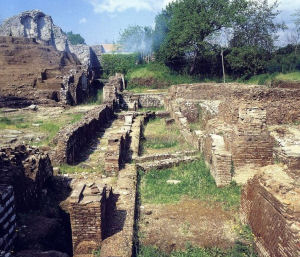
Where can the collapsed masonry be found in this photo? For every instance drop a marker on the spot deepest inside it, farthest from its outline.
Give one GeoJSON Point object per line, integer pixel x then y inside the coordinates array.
{"type": "Point", "coordinates": [24, 175]}
{"type": "Point", "coordinates": [48, 76]}
{"type": "Point", "coordinates": [242, 130]}
{"type": "Point", "coordinates": [7, 220]}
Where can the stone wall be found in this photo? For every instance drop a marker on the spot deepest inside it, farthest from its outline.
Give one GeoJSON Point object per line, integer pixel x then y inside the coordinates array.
{"type": "Point", "coordinates": [88, 217]}
{"type": "Point", "coordinates": [71, 140]}
{"type": "Point", "coordinates": [149, 100]}
{"type": "Point", "coordinates": [27, 170]}
{"type": "Point", "coordinates": [117, 152]}
{"type": "Point", "coordinates": [7, 220]}
{"type": "Point", "coordinates": [270, 205]}
{"type": "Point", "coordinates": [35, 24]}
{"type": "Point", "coordinates": [232, 123]}
{"type": "Point", "coordinates": [49, 76]}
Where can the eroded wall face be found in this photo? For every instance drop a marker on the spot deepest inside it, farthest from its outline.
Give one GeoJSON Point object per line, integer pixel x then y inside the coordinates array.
{"type": "Point", "coordinates": [26, 170]}
{"type": "Point", "coordinates": [272, 211]}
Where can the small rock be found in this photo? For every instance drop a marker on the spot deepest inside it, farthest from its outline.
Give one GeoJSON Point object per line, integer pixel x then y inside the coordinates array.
{"type": "Point", "coordinates": [173, 182]}
{"type": "Point", "coordinates": [148, 212]}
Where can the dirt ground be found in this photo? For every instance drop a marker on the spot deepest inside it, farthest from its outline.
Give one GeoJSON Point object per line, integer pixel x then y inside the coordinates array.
{"type": "Point", "coordinates": [188, 222]}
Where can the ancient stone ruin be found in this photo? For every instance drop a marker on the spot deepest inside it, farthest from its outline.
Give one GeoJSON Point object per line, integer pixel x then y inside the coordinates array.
{"type": "Point", "coordinates": [247, 134]}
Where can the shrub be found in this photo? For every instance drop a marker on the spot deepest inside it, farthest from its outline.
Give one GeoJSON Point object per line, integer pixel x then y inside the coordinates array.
{"type": "Point", "coordinates": [122, 63]}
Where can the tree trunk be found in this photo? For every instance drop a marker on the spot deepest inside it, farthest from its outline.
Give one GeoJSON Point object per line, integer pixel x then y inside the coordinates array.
{"type": "Point", "coordinates": [192, 69]}
{"type": "Point", "coordinates": [224, 76]}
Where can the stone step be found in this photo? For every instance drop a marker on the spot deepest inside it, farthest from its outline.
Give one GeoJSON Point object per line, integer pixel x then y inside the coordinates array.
{"type": "Point", "coordinates": [167, 163]}
{"type": "Point", "coordinates": [164, 156]}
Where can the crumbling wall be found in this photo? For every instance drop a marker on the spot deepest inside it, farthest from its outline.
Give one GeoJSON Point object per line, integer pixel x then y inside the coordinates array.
{"type": "Point", "coordinates": [251, 141]}
{"type": "Point", "coordinates": [133, 101]}
{"type": "Point", "coordinates": [88, 217]}
{"type": "Point", "coordinates": [7, 220]}
{"type": "Point", "coordinates": [270, 205]}
{"type": "Point", "coordinates": [71, 140]}
{"type": "Point", "coordinates": [35, 24]}
{"type": "Point", "coordinates": [27, 170]}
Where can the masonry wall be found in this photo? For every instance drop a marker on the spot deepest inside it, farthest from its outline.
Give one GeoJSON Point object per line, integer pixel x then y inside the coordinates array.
{"type": "Point", "coordinates": [27, 170]}
{"type": "Point", "coordinates": [271, 208]}
{"type": "Point", "coordinates": [71, 140]}
{"type": "Point", "coordinates": [7, 220]}
{"type": "Point", "coordinates": [87, 226]}
{"type": "Point", "coordinates": [143, 100]}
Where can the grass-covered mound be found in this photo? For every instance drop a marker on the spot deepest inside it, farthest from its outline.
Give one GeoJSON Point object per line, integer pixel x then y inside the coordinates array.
{"type": "Point", "coordinates": [155, 76]}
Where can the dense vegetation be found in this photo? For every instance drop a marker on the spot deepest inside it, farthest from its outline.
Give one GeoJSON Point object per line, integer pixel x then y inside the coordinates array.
{"type": "Point", "coordinates": [75, 39]}
{"type": "Point", "coordinates": [190, 36]}
{"type": "Point", "coordinates": [122, 63]}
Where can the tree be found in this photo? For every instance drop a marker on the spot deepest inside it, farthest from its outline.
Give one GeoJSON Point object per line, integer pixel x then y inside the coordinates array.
{"type": "Point", "coordinates": [136, 39]}
{"type": "Point", "coordinates": [75, 39]}
{"type": "Point", "coordinates": [260, 28]}
{"type": "Point", "coordinates": [294, 37]}
{"type": "Point", "coordinates": [187, 23]}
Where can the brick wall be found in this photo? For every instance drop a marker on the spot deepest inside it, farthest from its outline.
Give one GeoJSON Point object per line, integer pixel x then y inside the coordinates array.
{"type": "Point", "coordinates": [7, 220]}
{"type": "Point", "coordinates": [73, 138]}
{"type": "Point", "coordinates": [270, 205]}
{"type": "Point", "coordinates": [88, 217]}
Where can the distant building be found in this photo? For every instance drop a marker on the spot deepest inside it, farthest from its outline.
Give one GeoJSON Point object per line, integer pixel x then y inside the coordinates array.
{"type": "Point", "coordinates": [110, 48]}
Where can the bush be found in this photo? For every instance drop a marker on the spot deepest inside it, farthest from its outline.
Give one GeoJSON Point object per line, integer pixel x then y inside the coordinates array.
{"type": "Point", "coordinates": [247, 61]}
{"type": "Point", "coordinates": [118, 63]}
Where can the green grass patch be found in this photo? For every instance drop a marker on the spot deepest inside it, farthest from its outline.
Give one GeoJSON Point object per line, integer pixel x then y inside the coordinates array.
{"type": "Point", "coordinates": [51, 129]}
{"type": "Point", "coordinates": [152, 109]}
{"type": "Point", "coordinates": [243, 247]}
{"type": "Point", "coordinates": [69, 169]}
{"type": "Point", "coordinates": [155, 76]}
{"type": "Point", "coordinates": [294, 76]}
{"type": "Point", "coordinates": [16, 122]}
{"type": "Point", "coordinates": [96, 99]}
{"type": "Point", "coordinates": [196, 182]}
{"type": "Point", "coordinates": [76, 117]}
{"type": "Point", "coordinates": [159, 136]}
{"type": "Point", "coordinates": [268, 78]}
{"type": "Point", "coordinates": [239, 250]}
{"type": "Point", "coordinates": [160, 143]}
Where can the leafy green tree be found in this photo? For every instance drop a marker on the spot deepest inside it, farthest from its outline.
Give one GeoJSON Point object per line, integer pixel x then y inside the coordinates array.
{"type": "Point", "coordinates": [187, 23]}
{"type": "Point", "coordinates": [136, 39]}
{"type": "Point", "coordinates": [75, 39]}
{"type": "Point", "coordinates": [247, 61]}
{"type": "Point", "coordinates": [259, 28]}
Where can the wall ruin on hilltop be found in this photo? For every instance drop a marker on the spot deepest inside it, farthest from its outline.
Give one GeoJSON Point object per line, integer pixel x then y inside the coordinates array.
{"type": "Point", "coordinates": [35, 24]}
{"type": "Point", "coordinates": [36, 73]}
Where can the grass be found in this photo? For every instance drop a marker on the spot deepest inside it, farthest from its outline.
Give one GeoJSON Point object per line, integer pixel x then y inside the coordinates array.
{"type": "Point", "coordinates": [17, 122]}
{"type": "Point", "coordinates": [152, 109]}
{"type": "Point", "coordinates": [69, 169]}
{"type": "Point", "coordinates": [159, 136]}
{"type": "Point", "coordinates": [267, 79]}
{"type": "Point", "coordinates": [196, 182]}
{"type": "Point", "coordinates": [95, 100]}
{"type": "Point", "coordinates": [239, 250]}
{"type": "Point", "coordinates": [48, 128]}
{"type": "Point", "coordinates": [158, 75]}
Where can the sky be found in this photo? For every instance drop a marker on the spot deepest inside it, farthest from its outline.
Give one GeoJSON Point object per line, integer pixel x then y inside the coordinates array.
{"type": "Point", "coordinates": [100, 21]}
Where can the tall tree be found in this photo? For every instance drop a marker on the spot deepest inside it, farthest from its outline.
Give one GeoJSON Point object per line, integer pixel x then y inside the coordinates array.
{"type": "Point", "coordinates": [136, 39]}
{"type": "Point", "coordinates": [260, 28]}
{"type": "Point", "coordinates": [189, 22]}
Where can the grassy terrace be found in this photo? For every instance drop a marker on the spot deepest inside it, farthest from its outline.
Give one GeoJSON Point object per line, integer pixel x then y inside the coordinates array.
{"type": "Point", "coordinates": [161, 138]}
{"type": "Point", "coordinates": [196, 182]}
{"type": "Point", "coordinates": [43, 126]}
